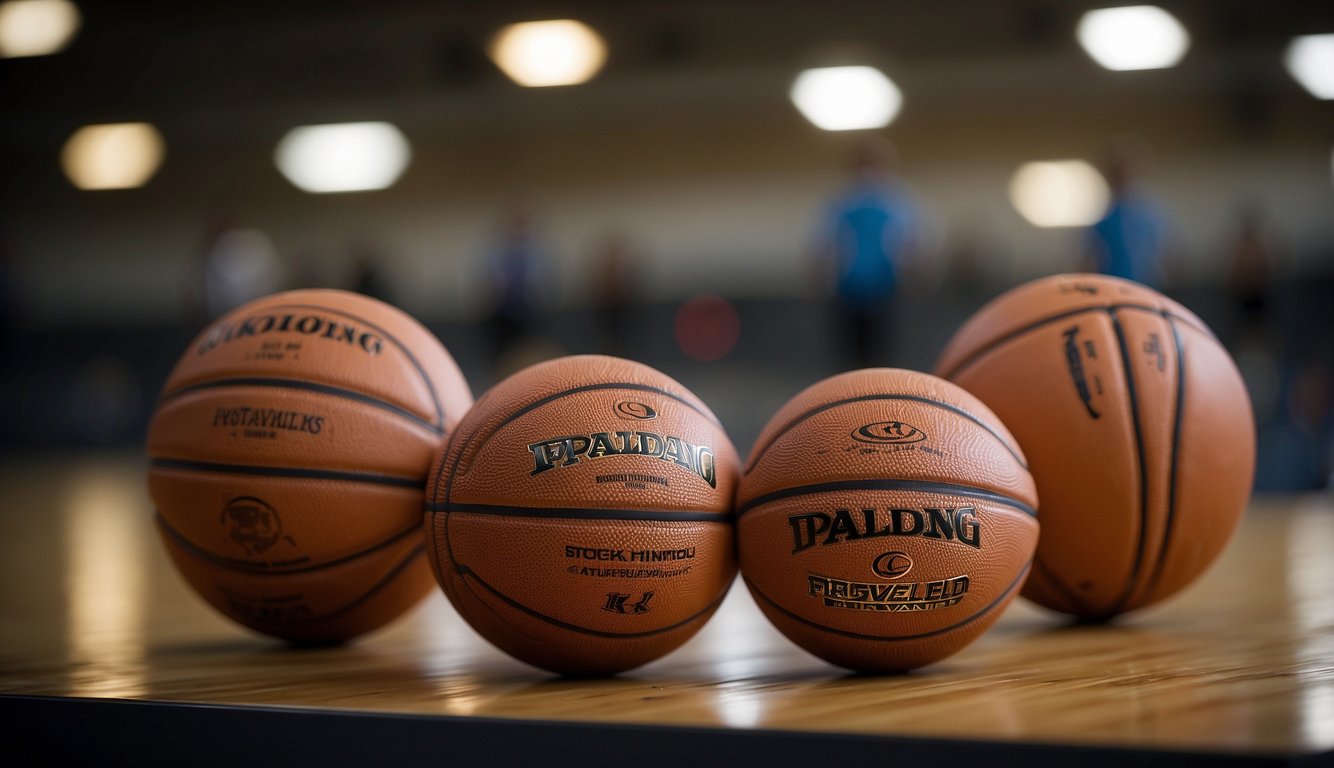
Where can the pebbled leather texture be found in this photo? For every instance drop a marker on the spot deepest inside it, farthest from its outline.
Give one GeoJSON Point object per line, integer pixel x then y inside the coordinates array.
{"type": "Point", "coordinates": [580, 517]}
{"type": "Point", "coordinates": [289, 451]}
{"type": "Point", "coordinates": [885, 519]}
{"type": "Point", "coordinates": [1138, 427]}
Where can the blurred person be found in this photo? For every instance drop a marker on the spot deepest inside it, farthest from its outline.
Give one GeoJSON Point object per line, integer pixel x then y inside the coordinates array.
{"type": "Point", "coordinates": [870, 232]}
{"type": "Point", "coordinates": [368, 276]}
{"type": "Point", "coordinates": [518, 271]}
{"type": "Point", "coordinates": [1296, 449]}
{"type": "Point", "coordinates": [238, 265]}
{"type": "Point", "coordinates": [105, 399]}
{"type": "Point", "coordinates": [971, 252]}
{"type": "Point", "coordinates": [612, 291]}
{"type": "Point", "coordinates": [308, 268]}
{"type": "Point", "coordinates": [8, 300]}
{"type": "Point", "coordinates": [1312, 411]}
{"type": "Point", "coordinates": [1252, 266]}
{"type": "Point", "coordinates": [1129, 240]}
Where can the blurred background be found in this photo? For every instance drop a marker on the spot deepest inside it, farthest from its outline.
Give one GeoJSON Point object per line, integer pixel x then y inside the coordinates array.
{"type": "Point", "coordinates": [748, 196]}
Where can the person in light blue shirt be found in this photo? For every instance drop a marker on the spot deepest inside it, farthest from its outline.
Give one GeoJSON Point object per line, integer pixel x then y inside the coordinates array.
{"type": "Point", "coordinates": [870, 231]}
{"type": "Point", "coordinates": [1130, 238]}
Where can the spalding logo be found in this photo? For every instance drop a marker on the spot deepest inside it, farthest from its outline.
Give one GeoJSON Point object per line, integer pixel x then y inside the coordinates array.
{"type": "Point", "coordinates": [629, 409]}
{"type": "Point", "coordinates": [892, 565]}
{"type": "Point", "coordinates": [888, 432]}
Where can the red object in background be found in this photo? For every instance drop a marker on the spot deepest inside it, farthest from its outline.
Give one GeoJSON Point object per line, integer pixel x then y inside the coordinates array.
{"type": "Point", "coordinates": [707, 328]}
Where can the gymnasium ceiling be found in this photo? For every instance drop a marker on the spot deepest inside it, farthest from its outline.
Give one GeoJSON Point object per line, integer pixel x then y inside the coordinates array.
{"type": "Point", "coordinates": [248, 68]}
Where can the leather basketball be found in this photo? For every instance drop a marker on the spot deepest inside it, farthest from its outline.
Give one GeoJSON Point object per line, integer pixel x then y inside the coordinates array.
{"type": "Point", "coordinates": [885, 518]}
{"type": "Point", "coordinates": [288, 457]}
{"type": "Point", "coordinates": [1138, 427]}
{"type": "Point", "coordinates": [580, 517]}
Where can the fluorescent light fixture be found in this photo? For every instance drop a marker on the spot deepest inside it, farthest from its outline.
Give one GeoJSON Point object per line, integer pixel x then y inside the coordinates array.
{"type": "Point", "coordinates": [846, 98]}
{"type": "Point", "coordinates": [1133, 37]}
{"type": "Point", "coordinates": [343, 157]}
{"type": "Point", "coordinates": [112, 155]}
{"type": "Point", "coordinates": [537, 54]}
{"type": "Point", "coordinates": [1059, 193]}
{"type": "Point", "coordinates": [1310, 60]}
{"type": "Point", "coordinates": [37, 27]}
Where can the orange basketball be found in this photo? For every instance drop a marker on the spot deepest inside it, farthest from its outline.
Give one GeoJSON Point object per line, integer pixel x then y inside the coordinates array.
{"type": "Point", "coordinates": [1138, 427]}
{"type": "Point", "coordinates": [581, 516]}
{"type": "Point", "coordinates": [289, 453]}
{"type": "Point", "coordinates": [885, 519]}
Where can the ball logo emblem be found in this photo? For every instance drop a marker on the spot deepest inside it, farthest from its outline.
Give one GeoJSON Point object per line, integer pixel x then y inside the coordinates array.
{"type": "Point", "coordinates": [892, 565]}
{"type": "Point", "coordinates": [630, 409]}
{"type": "Point", "coordinates": [252, 524]}
{"type": "Point", "coordinates": [896, 432]}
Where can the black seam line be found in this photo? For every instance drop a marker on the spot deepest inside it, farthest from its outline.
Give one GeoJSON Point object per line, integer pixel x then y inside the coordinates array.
{"type": "Point", "coordinates": [436, 479]}
{"type": "Point", "coordinates": [246, 567]}
{"type": "Point", "coordinates": [293, 472]}
{"type": "Point", "coordinates": [1172, 472]}
{"type": "Point", "coordinates": [606, 385]}
{"type": "Point", "coordinates": [656, 515]}
{"type": "Point", "coordinates": [911, 486]}
{"type": "Point", "coordinates": [453, 469]}
{"type": "Point", "coordinates": [433, 539]}
{"type": "Point", "coordinates": [308, 386]}
{"type": "Point", "coordinates": [379, 585]}
{"type": "Point", "coordinates": [1076, 603]}
{"type": "Point", "coordinates": [465, 572]}
{"type": "Point", "coordinates": [403, 565]}
{"type": "Point", "coordinates": [1127, 364]}
{"type": "Point", "coordinates": [933, 633]}
{"type": "Point", "coordinates": [430, 385]}
{"type": "Point", "coordinates": [1036, 324]}
{"type": "Point", "coordinates": [864, 398]}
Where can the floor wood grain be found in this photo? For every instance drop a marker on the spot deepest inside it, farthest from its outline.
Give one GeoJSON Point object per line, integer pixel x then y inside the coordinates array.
{"type": "Point", "coordinates": [1244, 660]}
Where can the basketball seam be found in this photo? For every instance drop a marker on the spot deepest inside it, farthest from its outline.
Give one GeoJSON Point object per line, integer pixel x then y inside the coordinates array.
{"type": "Point", "coordinates": [1138, 563]}
{"type": "Point", "coordinates": [416, 552]}
{"type": "Point", "coordinates": [426, 378]}
{"type": "Point", "coordinates": [324, 389]}
{"type": "Point", "coordinates": [582, 513]}
{"type": "Point", "coordinates": [448, 489]}
{"type": "Point", "coordinates": [465, 572]}
{"type": "Point", "coordinates": [999, 341]}
{"type": "Point", "coordinates": [398, 568]}
{"type": "Point", "coordinates": [757, 455]}
{"type": "Point", "coordinates": [442, 537]}
{"type": "Point", "coordinates": [437, 567]}
{"type": "Point", "coordinates": [605, 385]}
{"type": "Point", "coordinates": [1075, 600]}
{"type": "Point", "coordinates": [453, 470]}
{"type": "Point", "coordinates": [243, 567]}
{"type": "Point", "coordinates": [912, 486]}
{"type": "Point", "coordinates": [301, 473]}
{"type": "Point", "coordinates": [1014, 585]}
{"type": "Point", "coordinates": [1169, 522]}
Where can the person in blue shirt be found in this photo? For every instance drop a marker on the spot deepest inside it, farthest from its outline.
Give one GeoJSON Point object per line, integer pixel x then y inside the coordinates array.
{"type": "Point", "coordinates": [1130, 238]}
{"type": "Point", "coordinates": [518, 273]}
{"type": "Point", "coordinates": [870, 231]}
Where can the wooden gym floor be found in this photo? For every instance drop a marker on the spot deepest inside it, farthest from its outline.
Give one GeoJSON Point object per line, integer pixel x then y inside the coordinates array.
{"type": "Point", "coordinates": [106, 655]}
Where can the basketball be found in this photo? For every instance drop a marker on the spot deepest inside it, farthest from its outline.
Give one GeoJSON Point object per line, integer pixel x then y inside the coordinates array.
{"type": "Point", "coordinates": [288, 460]}
{"type": "Point", "coordinates": [885, 519]}
{"type": "Point", "coordinates": [1138, 426]}
{"type": "Point", "coordinates": [580, 517]}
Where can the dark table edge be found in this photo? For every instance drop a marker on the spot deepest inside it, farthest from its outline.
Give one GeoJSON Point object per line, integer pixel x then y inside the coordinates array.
{"type": "Point", "coordinates": [53, 730]}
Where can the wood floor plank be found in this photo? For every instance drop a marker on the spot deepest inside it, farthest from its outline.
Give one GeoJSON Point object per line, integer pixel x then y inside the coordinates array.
{"type": "Point", "coordinates": [1242, 662]}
